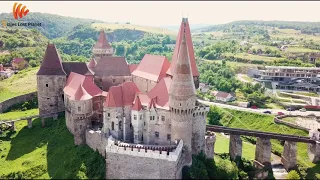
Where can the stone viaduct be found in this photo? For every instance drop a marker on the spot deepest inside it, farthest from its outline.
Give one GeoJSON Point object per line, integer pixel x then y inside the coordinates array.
{"type": "Point", "coordinates": [263, 146]}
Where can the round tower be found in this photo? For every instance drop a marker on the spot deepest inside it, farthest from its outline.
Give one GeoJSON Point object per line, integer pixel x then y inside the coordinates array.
{"type": "Point", "coordinates": [182, 99]}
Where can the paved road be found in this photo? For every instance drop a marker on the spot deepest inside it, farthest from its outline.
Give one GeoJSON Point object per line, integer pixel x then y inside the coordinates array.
{"type": "Point", "coordinates": [273, 111]}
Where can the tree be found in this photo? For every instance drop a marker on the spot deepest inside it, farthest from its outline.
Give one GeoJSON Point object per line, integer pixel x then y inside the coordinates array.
{"type": "Point", "coordinates": [293, 175]}
{"type": "Point", "coordinates": [214, 116]}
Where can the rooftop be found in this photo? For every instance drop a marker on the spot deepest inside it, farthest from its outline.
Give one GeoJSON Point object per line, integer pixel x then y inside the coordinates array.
{"type": "Point", "coordinates": [112, 66]}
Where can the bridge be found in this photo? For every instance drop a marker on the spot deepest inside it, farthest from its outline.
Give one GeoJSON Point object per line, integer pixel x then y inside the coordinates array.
{"type": "Point", "coordinates": [263, 146]}
{"type": "Point", "coordinates": [10, 123]}
{"type": "Point", "coordinates": [260, 134]}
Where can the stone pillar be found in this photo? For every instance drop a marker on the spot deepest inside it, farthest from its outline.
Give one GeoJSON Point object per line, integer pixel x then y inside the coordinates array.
{"type": "Point", "coordinates": [289, 156]}
{"type": "Point", "coordinates": [13, 127]}
{"type": "Point", "coordinates": [235, 147]}
{"type": "Point", "coordinates": [43, 121]}
{"type": "Point", "coordinates": [55, 117]}
{"type": "Point", "coordinates": [29, 123]}
{"type": "Point", "coordinates": [263, 151]}
{"type": "Point", "coordinates": [314, 149]}
{"type": "Point", "coordinates": [210, 139]}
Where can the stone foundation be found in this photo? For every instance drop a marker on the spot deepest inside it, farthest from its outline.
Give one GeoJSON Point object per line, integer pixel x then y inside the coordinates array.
{"type": "Point", "coordinates": [210, 140]}
{"type": "Point", "coordinates": [235, 147]}
{"type": "Point", "coordinates": [289, 156]}
{"type": "Point", "coordinates": [263, 151]}
{"type": "Point", "coordinates": [96, 141]}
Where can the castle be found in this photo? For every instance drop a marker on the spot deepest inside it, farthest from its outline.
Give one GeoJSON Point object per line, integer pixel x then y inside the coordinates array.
{"type": "Point", "coordinates": [144, 119]}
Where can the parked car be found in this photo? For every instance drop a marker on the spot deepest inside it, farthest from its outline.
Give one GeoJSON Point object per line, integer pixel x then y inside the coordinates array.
{"type": "Point", "coordinates": [280, 113]}
{"type": "Point", "coordinates": [267, 112]}
{"type": "Point", "coordinates": [290, 109]}
{"type": "Point", "coordinates": [254, 107]}
{"type": "Point", "coordinates": [302, 110]}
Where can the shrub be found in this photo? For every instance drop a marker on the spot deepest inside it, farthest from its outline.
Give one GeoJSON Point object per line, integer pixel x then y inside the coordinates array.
{"type": "Point", "coordinates": [293, 175]}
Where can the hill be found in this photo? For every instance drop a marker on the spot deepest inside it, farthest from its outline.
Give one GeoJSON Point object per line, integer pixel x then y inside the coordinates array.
{"type": "Point", "coordinates": [304, 27]}
{"type": "Point", "coordinates": [53, 26]}
{"type": "Point", "coordinates": [47, 153]}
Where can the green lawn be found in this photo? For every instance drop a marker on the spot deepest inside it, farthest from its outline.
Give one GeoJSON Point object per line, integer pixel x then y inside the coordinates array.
{"type": "Point", "coordinates": [22, 83]}
{"type": "Point", "coordinates": [18, 114]}
{"type": "Point", "coordinates": [47, 153]}
{"type": "Point", "coordinates": [307, 94]}
{"type": "Point", "coordinates": [222, 146]}
{"type": "Point", "coordinates": [262, 122]}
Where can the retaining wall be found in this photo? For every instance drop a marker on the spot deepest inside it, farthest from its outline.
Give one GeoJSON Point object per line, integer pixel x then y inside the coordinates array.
{"type": "Point", "coordinates": [5, 105]}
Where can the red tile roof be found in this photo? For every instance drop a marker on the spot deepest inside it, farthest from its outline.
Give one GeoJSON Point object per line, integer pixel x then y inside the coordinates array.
{"type": "Point", "coordinates": [222, 94]}
{"type": "Point", "coordinates": [92, 63]}
{"type": "Point", "coordinates": [112, 66]}
{"type": "Point", "coordinates": [184, 27]}
{"type": "Point", "coordinates": [133, 67]}
{"type": "Point", "coordinates": [122, 95]}
{"type": "Point", "coordinates": [81, 94]}
{"type": "Point", "coordinates": [17, 60]}
{"type": "Point", "coordinates": [161, 91]}
{"type": "Point", "coordinates": [152, 103]}
{"type": "Point", "coordinates": [152, 67]}
{"type": "Point", "coordinates": [102, 41]}
{"type": "Point", "coordinates": [182, 76]}
{"type": "Point", "coordinates": [75, 80]}
{"type": "Point", "coordinates": [137, 104]}
{"type": "Point", "coordinates": [77, 67]}
{"type": "Point", "coordinates": [51, 63]}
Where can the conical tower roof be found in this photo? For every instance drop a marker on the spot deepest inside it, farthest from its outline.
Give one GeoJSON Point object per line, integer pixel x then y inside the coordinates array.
{"type": "Point", "coordinates": [92, 63]}
{"type": "Point", "coordinates": [184, 29]}
{"type": "Point", "coordinates": [51, 63]}
{"type": "Point", "coordinates": [137, 106]}
{"type": "Point", "coordinates": [182, 84]}
{"type": "Point", "coordinates": [102, 41]}
{"type": "Point", "coordinates": [81, 94]}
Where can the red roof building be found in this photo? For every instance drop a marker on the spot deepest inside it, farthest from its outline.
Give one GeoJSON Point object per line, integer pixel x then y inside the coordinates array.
{"type": "Point", "coordinates": [19, 63]}
{"type": "Point", "coordinates": [122, 95]}
{"type": "Point", "coordinates": [102, 47]}
{"type": "Point", "coordinates": [137, 106]}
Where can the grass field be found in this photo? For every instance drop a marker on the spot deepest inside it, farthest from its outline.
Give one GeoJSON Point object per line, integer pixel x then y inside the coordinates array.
{"type": "Point", "coordinates": [18, 114]}
{"type": "Point", "coordinates": [22, 83]}
{"type": "Point", "coordinates": [292, 49]}
{"type": "Point", "coordinates": [149, 29]}
{"type": "Point", "coordinates": [47, 153]}
{"type": "Point", "coordinates": [222, 146]}
{"type": "Point", "coordinates": [252, 57]}
{"type": "Point", "coordinates": [261, 122]}
{"type": "Point", "coordinates": [307, 94]}
{"type": "Point", "coordinates": [239, 67]}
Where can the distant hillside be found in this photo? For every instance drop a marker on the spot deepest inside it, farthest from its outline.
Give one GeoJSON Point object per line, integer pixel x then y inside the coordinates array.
{"type": "Point", "coordinates": [304, 27]}
{"type": "Point", "coordinates": [53, 26]}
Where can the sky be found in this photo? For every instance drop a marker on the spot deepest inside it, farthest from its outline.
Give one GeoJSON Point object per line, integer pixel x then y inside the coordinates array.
{"type": "Point", "coordinates": [169, 13]}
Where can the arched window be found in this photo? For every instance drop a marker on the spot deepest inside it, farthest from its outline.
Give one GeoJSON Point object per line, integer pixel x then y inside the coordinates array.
{"type": "Point", "coordinates": [112, 125]}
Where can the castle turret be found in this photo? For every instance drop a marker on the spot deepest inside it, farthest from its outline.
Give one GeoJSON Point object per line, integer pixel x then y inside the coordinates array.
{"type": "Point", "coordinates": [137, 121]}
{"type": "Point", "coordinates": [182, 99]}
{"type": "Point", "coordinates": [51, 79]}
{"type": "Point", "coordinates": [102, 47]}
{"type": "Point", "coordinates": [185, 31]}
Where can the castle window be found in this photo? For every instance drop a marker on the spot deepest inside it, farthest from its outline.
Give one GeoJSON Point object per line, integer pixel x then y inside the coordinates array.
{"type": "Point", "coordinates": [47, 85]}
{"type": "Point", "coordinates": [144, 123]}
{"type": "Point", "coordinates": [124, 80]}
{"type": "Point", "coordinates": [135, 117]}
{"type": "Point", "coordinates": [113, 80]}
{"type": "Point", "coordinates": [112, 125]}
{"type": "Point", "coordinates": [180, 104]}
{"type": "Point", "coordinates": [120, 125]}
{"type": "Point", "coordinates": [79, 108]}
{"type": "Point", "coordinates": [140, 117]}
{"type": "Point", "coordinates": [169, 125]}
{"type": "Point", "coordinates": [163, 118]}
{"type": "Point", "coordinates": [62, 96]}
{"type": "Point", "coordinates": [48, 98]}
{"type": "Point", "coordinates": [168, 137]}
{"type": "Point", "coordinates": [80, 127]}
{"type": "Point", "coordinates": [100, 116]}
{"type": "Point", "coordinates": [130, 125]}
{"type": "Point", "coordinates": [156, 134]}
{"type": "Point", "coordinates": [136, 136]}
{"type": "Point", "coordinates": [108, 114]}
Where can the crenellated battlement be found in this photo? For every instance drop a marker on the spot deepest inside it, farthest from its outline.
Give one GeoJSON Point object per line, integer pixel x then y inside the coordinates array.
{"type": "Point", "coordinates": [210, 136]}
{"type": "Point", "coordinates": [170, 153]}
{"type": "Point", "coordinates": [201, 111]}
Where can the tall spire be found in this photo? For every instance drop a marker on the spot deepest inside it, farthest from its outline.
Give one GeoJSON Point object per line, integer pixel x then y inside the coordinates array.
{"type": "Point", "coordinates": [182, 83]}
{"type": "Point", "coordinates": [184, 31]}
{"type": "Point", "coordinates": [102, 42]}
{"type": "Point", "coordinates": [51, 63]}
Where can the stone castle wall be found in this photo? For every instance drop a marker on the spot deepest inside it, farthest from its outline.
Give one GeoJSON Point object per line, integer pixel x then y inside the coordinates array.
{"type": "Point", "coordinates": [199, 129]}
{"type": "Point", "coordinates": [134, 163]}
{"type": "Point", "coordinates": [144, 85]}
{"type": "Point", "coordinates": [5, 105]}
{"type": "Point", "coordinates": [106, 82]}
{"type": "Point", "coordinates": [50, 93]}
{"type": "Point", "coordinates": [96, 141]}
